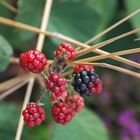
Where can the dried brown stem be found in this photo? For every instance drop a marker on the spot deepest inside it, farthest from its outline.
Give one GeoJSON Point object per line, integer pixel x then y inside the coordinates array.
{"type": "Point", "coordinates": [10, 91]}
{"type": "Point", "coordinates": [112, 27]}
{"type": "Point", "coordinates": [14, 81]}
{"type": "Point", "coordinates": [102, 44]}
{"type": "Point", "coordinates": [100, 57]}
{"type": "Point", "coordinates": [116, 68]}
{"type": "Point", "coordinates": [14, 60]}
{"type": "Point", "coordinates": [62, 37]}
{"type": "Point", "coordinates": [39, 46]}
{"type": "Point", "coordinates": [8, 6]}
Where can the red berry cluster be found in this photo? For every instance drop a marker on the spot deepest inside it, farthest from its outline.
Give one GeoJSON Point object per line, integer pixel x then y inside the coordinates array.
{"type": "Point", "coordinates": [33, 61]}
{"type": "Point", "coordinates": [64, 105]}
{"type": "Point", "coordinates": [57, 85]}
{"type": "Point", "coordinates": [65, 50]}
{"type": "Point", "coordinates": [63, 112]}
{"type": "Point", "coordinates": [33, 114]}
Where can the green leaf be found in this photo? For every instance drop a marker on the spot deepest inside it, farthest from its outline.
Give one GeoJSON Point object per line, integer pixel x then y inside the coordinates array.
{"type": "Point", "coordinates": [5, 53]}
{"type": "Point", "coordinates": [8, 121]}
{"type": "Point", "coordinates": [85, 126]}
{"type": "Point", "coordinates": [29, 13]}
{"type": "Point", "coordinates": [131, 6]}
{"type": "Point", "coordinates": [74, 18]}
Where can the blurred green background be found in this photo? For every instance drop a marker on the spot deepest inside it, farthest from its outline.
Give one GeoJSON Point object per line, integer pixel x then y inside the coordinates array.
{"type": "Point", "coordinates": [79, 19]}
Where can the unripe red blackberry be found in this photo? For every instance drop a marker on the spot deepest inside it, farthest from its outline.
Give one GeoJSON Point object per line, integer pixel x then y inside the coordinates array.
{"type": "Point", "coordinates": [62, 113]}
{"type": "Point", "coordinates": [76, 102]}
{"type": "Point", "coordinates": [78, 68]}
{"type": "Point", "coordinates": [56, 84]}
{"type": "Point", "coordinates": [33, 114]}
{"type": "Point", "coordinates": [65, 50]}
{"type": "Point", "coordinates": [33, 61]}
{"type": "Point", "coordinates": [87, 82]}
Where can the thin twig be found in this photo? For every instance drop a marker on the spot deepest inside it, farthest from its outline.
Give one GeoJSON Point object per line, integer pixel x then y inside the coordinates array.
{"type": "Point", "coordinates": [116, 68]}
{"type": "Point", "coordinates": [25, 102]}
{"type": "Point", "coordinates": [14, 81]}
{"type": "Point", "coordinates": [100, 57]}
{"type": "Point", "coordinates": [9, 22]}
{"type": "Point", "coordinates": [10, 91]}
{"type": "Point", "coordinates": [137, 39]}
{"type": "Point", "coordinates": [8, 6]}
{"type": "Point", "coordinates": [102, 44]}
{"type": "Point", "coordinates": [39, 46]}
{"type": "Point", "coordinates": [112, 27]}
{"type": "Point", "coordinates": [14, 60]}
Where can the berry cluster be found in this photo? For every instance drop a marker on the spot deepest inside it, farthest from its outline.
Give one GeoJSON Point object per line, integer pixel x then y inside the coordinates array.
{"type": "Point", "coordinates": [86, 81]}
{"type": "Point", "coordinates": [64, 105]}
{"type": "Point", "coordinates": [33, 114]}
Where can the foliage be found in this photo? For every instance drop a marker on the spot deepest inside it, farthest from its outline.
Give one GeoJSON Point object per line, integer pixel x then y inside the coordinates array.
{"type": "Point", "coordinates": [79, 20]}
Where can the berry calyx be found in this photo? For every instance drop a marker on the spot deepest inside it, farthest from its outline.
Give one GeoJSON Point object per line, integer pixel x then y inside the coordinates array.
{"type": "Point", "coordinates": [33, 61]}
{"type": "Point", "coordinates": [78, 68]}
{"type": "Point", "coordinates": [57, 85]}
{"type": "Point", "coordinates": [33, 114]}
{"type": "Point", "coordinates": [76, 102]}
{"type": "Point", "coordinates": [67, 51]}
{"type": "Point", "coordinates": [87, 82]}
{"type": "Point", "coordinates": [62, 113]}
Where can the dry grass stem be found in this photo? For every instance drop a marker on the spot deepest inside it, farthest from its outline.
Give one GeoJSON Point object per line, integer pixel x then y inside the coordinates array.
{"type": "Point", "coordinates": [8, 6]}
{"type": "Point", "coordinates": [112, 27]}
{"type": "Point", "coordinates": [22, 26]}
{"type": "Point", "coordinates": [109, 66]}
{"type": "Point", "coordinates": [14, 60]}
{"type": "Point", "coordinates": [9, 22]}
{"type": "Point", "coordinates": [10, 91]}
{"type": "Point", "coordinates": [100, 57]}
{"type": "Point", "coordinates": [39, 46]}
{"type": "Point", "coordinates": [102, 44]}
{"type": "Point", "coordinates": [14, 81]}
{"type": "Point", "coordinates": [25, 102]}
{"type": "Point", "coordinates": [137, 39]}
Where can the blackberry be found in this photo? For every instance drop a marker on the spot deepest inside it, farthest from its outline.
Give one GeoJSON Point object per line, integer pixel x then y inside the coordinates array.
{"type": "Point", "coordinates": [87, 82]}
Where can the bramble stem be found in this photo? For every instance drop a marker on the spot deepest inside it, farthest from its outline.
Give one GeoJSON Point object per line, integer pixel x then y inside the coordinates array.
{"type": "Point", "coordinates": [112, 27]}
{"type": "Point", "coordinates": [100, 57]}
{"type": "Point", "coordinates": [102, 44]}
{"type": "Point", "coordinates": [10, 91]}
{"type": "Point", "coordinates": [14, 81]}
{"type": "Point", "coordinates": [14, 60]}
{"type": "Point", "coordinates": [62, 37]}
{"type": "Point", "coordinates": [39, 46]}
{"type": "Point", "coordinates": [8, 6]}
{"type": "Point", "coordinates": [116, 68]}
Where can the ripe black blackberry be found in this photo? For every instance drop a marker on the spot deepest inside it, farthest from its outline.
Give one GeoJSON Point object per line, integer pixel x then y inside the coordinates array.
{"type": "Point", "coordinates": [87, 82]}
